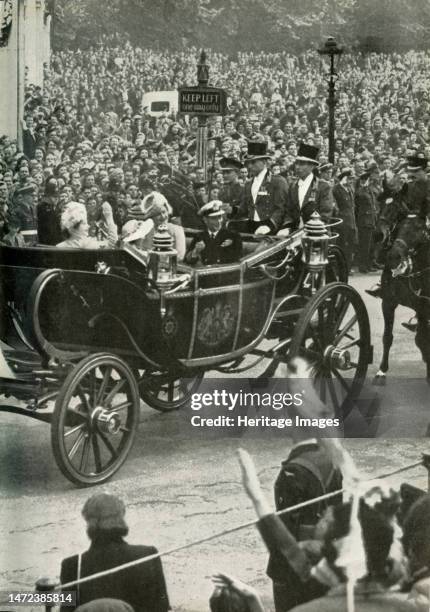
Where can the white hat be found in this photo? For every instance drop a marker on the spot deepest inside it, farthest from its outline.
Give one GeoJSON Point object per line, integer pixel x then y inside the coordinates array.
{"type": "Point", "coordinates": [74, 214]}
{"type": "Point", "coordinates": [135, 230]}
{"type": "Point", "coordinates": [153, 204]}
{"type": "Point", "coordinates": [212, 209]}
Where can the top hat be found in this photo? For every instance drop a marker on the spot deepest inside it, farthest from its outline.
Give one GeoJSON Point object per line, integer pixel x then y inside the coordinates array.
{"type": "Point", "coordinates": [307, 153]}
{"type": "Point", "coordinates": [256, 150]}
{"type": "Point", "coordinates": [230, 163]}
{"type": "Point", "coordinates": [418, 161]}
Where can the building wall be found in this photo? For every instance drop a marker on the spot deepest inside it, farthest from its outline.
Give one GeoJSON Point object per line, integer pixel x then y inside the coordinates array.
{"type": "Point", "coordinates": [28, 46]}
{"type": "Point", "coordinates": [37, 40]}
{"type": "Point", "coordinates": [12, 76]}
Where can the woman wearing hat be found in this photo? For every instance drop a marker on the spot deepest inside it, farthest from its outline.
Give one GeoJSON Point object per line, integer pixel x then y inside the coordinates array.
{"type": "Point", "coordinates": [142, 586]}
{"type": "Point", "coordinates": [74, 221]}
{"type": "Point", "coordinates": [155, 207]}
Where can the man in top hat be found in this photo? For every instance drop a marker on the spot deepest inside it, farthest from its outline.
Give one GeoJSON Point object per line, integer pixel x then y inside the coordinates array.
{"type": "Point", "coordinates": [308, 193]}
{"type": "Point", "coordinates": [418, 189]}
{"type": "Point", "coordinates": [216, 244]}
{"type": "Point", "coordinates": [265, 196]}
{"type": "Point", "coordinates": [141, 586]}
{"type": "Point", "coordinates": [232, 191]}
{"type": "Point", "coordinates": [343, 193]}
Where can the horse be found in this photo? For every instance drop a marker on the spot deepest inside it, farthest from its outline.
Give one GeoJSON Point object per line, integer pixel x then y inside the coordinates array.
{"type": "Point", "coordinates": [405, 281]}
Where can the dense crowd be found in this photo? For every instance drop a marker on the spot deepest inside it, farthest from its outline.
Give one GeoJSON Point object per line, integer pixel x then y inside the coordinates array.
{"type": "Point", "coordinates": [88, 139]}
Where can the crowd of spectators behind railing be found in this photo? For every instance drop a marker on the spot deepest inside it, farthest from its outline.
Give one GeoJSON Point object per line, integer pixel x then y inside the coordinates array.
{"type": "Point", "coordinates": [87, 128]}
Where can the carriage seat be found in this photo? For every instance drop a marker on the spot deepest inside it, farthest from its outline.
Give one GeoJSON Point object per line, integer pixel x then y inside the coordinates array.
{"type": "Point", "coordinates": [45, 257]}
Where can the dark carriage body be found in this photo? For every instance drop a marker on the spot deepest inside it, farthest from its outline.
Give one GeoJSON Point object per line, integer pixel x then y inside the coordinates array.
{"type": "Point", "coordinates": [86, 334]}
{"type": "Point", "coordinates": [70, 302]}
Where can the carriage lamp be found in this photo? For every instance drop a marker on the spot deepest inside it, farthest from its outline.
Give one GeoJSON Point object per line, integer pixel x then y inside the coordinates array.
{"type": "Point", "coordinates": [315, 243]}
{"type": "Point", "coordinates": [163, 259]}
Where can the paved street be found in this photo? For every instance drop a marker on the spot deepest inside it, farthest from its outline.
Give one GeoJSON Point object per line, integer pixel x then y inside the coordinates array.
{"type": "Point", "coordinates": [178, 490]}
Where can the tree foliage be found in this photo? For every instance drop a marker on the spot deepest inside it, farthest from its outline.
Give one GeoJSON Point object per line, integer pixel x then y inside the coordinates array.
{"type": "Point", "coordinates": [234, 25]}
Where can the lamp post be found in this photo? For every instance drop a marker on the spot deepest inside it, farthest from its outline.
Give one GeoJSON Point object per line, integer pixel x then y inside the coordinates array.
{"type": "Point", "coordinates": [332, 50]}
{"type": "Point", "coordinates": [202, 132]}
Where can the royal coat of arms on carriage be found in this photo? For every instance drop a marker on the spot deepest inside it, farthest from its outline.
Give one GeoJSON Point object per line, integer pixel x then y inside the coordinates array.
{"type": "Point", "coordinates": [216, 324]}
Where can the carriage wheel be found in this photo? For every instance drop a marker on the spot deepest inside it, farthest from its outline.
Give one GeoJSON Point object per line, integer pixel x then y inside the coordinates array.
{"type": "Point", "coordinates": [166, 392]}
{"type": "Point", "coordinates": [333, 335]}
{"type": "Point", "coordinates": [95, 419]}
{"type": "Point", "coordinates": [337, 268]}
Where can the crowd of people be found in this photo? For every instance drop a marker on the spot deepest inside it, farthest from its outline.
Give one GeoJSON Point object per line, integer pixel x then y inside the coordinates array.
{"type": "Point", "coordinates": [87, 138]}
{"type": "Point", "coordinates": [94, 166]}
{"type": "Point", "coordinates": [337, 541]}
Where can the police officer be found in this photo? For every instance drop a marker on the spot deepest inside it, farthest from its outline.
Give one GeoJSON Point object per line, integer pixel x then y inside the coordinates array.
{"type": "Point", "coordinates": [308, 472]}
{"type": "Point", "coordinates": [418, 190]}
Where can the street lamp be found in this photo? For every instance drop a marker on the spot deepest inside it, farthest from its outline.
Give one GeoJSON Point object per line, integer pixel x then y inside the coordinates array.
{"type": "Point", "coordinates": [202, 132]}
{"type": "Point", "coordinates": [331, 49]}
{"type": "Point", "coordinates": [202, 70]}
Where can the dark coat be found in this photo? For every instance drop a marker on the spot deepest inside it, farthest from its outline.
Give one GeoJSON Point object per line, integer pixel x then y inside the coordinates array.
{"type": "Point", "coordinates": [49, 222]}
{"type": "Point", "coordinates": [23, 208]}
{"type": "Point", "coordinates": [232, 193]}
{"type": "Point", "coordinates": [297, 483]}
{"type": "Point", "coordinates": [296, 562]}
{"type": "Point", "coordinates": [142, 586]}
{"type": "Point", "coordinates": [418, 197]}
{"type": "Point", "coordinates": [344, 199]}
{"type": "Point", "coordinates": [271, 201]}
{"type": "Point", "coordinates": [365, 207]}
{"type": "Point", "coordinates": [319, 197]}
{"type": "Point", "coordinates": [29, 143]}
{"type": "Point", "coordinates": [214, 253]}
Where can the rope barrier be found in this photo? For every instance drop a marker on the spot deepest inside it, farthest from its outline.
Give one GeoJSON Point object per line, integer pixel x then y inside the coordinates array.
{"type": "Point", "coordinates": [223, 533]}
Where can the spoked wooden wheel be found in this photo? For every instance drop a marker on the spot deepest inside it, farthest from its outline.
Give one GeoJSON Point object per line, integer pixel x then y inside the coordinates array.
{"type": "Point", "coordinates": [95, 419]}
{"type": "Point", "coordinates": [333, 335]}
{"type": "Point", "coordinates": [166, 392]}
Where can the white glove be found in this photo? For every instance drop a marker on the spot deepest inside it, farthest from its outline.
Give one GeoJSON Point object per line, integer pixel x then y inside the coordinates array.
{"type": "Point", "coordinates": [262, 230]}
{"type": "Point", "coordinates": [284, 232]}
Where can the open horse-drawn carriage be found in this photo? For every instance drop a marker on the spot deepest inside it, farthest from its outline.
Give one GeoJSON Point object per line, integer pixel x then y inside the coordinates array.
{"type": "Point", "coordinates": [86, 334]}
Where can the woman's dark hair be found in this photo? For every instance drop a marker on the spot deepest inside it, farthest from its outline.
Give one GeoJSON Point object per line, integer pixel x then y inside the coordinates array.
{"type": "Point", "coordinates": [95, 533]}
{"type": "Point", "coordinates": [227, 600]}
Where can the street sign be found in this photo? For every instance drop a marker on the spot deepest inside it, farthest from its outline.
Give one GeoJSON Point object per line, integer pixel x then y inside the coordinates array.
{"type": "Point", "coordinates": [202, 100]}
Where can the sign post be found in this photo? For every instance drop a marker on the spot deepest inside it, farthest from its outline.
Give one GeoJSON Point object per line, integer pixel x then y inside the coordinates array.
{"type": "Point", "coordinates": [203, 101]}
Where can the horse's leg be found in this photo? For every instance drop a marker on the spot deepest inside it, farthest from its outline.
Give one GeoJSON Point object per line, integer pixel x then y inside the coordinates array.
{"type": "Point", "coordinates": [388, 310]}
{"type": "Point", "coordinates": [422, 340]}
